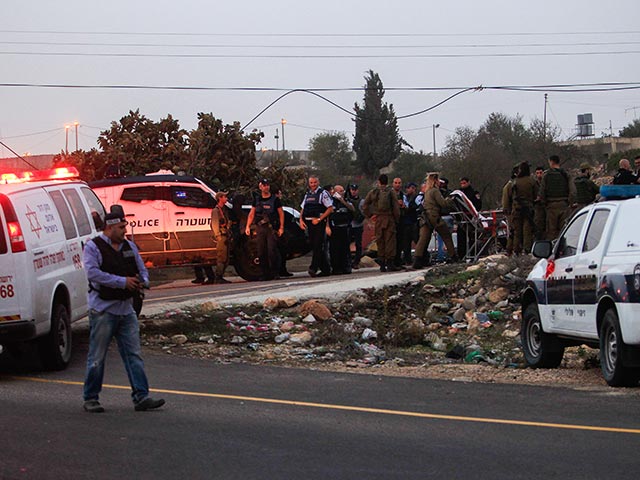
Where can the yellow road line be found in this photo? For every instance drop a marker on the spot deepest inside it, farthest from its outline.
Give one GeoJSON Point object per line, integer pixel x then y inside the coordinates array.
{"type": "Point", "coordinates": [328, 406]}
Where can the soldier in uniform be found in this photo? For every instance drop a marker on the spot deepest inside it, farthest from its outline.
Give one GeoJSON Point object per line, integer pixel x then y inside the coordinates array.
{"type": "Point", "coordinates": [557, 193]}
{"type": "Point", "coordinates": [507, 207]}
{"type": "Point", "coordinates": [539, 213]}
{"type": "Point", "coordinates": [434, 205]}
{"type": "Point", "coordinates": [523, 194]}
{"type": "Point", "coordinates": [220, 225]}
{"type": "Point", "coordinates": [381, 207]}
{"type": "Point", "coordinates": [265, 216]}
{"type": "Point", "coordinates": [316, 206]}
{"type": "Point", "coordinates": [338, 231]}
{"type": "Point", "coordinates": [586, 189]}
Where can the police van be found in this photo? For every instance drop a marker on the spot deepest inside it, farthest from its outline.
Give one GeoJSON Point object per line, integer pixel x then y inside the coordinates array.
{"type": "Point", "coordinates": [586, 289]}
{"type": "Point", "coordinates": [170, 221]}
{"type": "Point", "coordinates": [46, 218]}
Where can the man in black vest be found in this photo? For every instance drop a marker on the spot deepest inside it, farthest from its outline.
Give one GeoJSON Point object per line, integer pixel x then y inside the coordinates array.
{"type": "Point", "coordinates": [267, 218]}
{"type": "Point", "coordinates": [338, 229]}
{"type": "Point", "coordinates": [557, 193]}
{"type": "Point", "coordinates": [316, 206]}
{"type": "Point", "coordinates": [115, 272]}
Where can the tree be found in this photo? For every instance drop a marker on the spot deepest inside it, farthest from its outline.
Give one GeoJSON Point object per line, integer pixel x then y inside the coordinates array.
{"type": "Point", "coordinates": [331, 154]}
{"type": "Point", "coordinates": [377, 141]}
{"type": "Point", "coordinates": [631, 130]}
{"type": "Point", "coordinates": [223, 155]}
{"type": "Point", "coordinates": [413, 166]}
{"type": "Point", "coordinates": [138, 145]}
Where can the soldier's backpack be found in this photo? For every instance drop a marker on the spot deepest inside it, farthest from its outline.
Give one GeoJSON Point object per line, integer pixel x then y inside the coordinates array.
{"type": "Point", "coordinates": [384, 201]}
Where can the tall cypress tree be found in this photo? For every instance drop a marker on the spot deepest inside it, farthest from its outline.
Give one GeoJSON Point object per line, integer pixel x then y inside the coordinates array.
{"type": "Point", "coordinates": [377, 141]}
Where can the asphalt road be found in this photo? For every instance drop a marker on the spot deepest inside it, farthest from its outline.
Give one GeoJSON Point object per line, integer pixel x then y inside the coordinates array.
{"type": "Point", "coordinates": [245, 422]}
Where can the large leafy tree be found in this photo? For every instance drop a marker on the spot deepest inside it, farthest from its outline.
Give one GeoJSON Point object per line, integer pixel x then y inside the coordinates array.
{"type": "Point", "coordinates": [223, 155]}
{"type": "Point", "coordinates": [331, 155]}
{"type": "Point", "coordinates": [138, 145]}
{"type": "Point", "coordinates": [631, 130]}
{"type": "Point", "coordinates": [377, 141]}
{"type": "Point", "coordinates": [413, 166]}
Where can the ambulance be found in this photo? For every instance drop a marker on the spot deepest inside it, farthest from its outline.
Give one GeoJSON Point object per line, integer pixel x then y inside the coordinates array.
{"type": "Point", "coordinates": [170, 222]}
{"type": "Point", "coordinates": [46, 218]}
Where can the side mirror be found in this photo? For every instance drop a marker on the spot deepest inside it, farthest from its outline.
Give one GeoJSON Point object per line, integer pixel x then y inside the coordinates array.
{"type": "Point", "coordinates": [542, 249]}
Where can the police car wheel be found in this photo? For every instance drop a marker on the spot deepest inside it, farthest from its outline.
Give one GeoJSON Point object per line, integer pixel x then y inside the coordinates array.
{"type": "Point", "coordinates": [611, 348]}
{"type": "Point", "coordinates": [541, 350]}
{"type": "Point", "coordinates": [54, 348]}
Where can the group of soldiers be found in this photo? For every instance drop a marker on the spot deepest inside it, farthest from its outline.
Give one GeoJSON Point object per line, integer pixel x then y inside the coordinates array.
{"type": "Point", "coordinates": [538, 206]}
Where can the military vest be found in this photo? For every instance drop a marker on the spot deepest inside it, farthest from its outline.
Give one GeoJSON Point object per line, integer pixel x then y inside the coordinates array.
{"type": "Point", "coordinates": [117, 262]}
{"type": "Point", "coordinates": [557, 184]}
{"type": "Point", "coordinates": [585, 193]}
{"type": "Point", "coordinates": [266, 211]}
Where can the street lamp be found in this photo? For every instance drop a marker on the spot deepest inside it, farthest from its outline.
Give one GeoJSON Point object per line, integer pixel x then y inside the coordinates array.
{"type": "Point", "coordinates": [283, 122]}
{"type": "Point", "coordinates": [75, 124]}
{"type": "Point", "coordinates": [66, 139]}
{"type": "Point", "coordinates": [435, 125]}
{"type": "Point", "coordinates": [277, 137]}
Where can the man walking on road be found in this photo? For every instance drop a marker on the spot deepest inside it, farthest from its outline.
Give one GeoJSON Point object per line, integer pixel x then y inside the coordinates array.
{"type": "Point", "coordinates": [115, 272]}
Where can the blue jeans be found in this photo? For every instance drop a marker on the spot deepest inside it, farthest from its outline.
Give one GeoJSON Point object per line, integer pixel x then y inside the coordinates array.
{"type": "Point", "coordinates": [103, 327]}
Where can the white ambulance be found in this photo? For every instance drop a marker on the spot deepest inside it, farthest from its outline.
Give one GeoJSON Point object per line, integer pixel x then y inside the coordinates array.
{"type": "Point", "coordinates": [46, 218]}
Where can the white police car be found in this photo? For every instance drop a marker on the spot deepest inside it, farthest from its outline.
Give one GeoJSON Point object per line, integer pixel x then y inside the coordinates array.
{"type": "Point", "coordinates": [586, 290]}
{"type": "Point", "coordinates": [170, 221]}
{"type": "Point", "coordinates": [46, 218]}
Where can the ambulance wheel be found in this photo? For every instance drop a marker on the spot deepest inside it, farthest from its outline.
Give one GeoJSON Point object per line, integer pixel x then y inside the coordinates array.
{"type": "Point", "coordinates": [54, 348]}
{"type": "Point", "coordinates": [541, 350]}
{"type": "Point", "coordinates": [246, 261]}
{"type": "Point", "coordinates": [612, 347]}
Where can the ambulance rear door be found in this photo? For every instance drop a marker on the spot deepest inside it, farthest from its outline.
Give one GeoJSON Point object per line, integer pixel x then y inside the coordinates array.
{"type": "Point", "coordinates": [9, 291]}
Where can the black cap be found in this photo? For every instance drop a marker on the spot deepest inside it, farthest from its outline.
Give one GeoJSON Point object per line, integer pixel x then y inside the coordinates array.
{"type": "Point", "coordinates": [353, 186]}
{"type": "Point", "coordinates": [411, 184]}
{"type": "Point", "coordinates": [114, 218]}
{"type": "Point", "coordinates": [264, 181]}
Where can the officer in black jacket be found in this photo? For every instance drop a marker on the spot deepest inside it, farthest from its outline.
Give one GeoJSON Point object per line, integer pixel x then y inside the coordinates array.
{"type": "Point", "coordinates": [267, 219]}
{"type": "Point", "coordinates": [338, 231]}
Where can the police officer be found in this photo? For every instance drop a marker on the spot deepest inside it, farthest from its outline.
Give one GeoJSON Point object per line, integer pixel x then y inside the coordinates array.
{"type": "Point", "coordinates": [557, 193]}
{"type": "Point", "coordinates": [316, 206]}
{"type": "Point", "coordinates": [221, 227]}
{"type": "Point", "coordinates": [339, 226]}
{"type": "Point", "coordinates": [266, 215]}
{"type": "Point", "coordinates": [523, 194]}
{"type": "Point", "coordinates": [624, 175]}
{"type": "Point", "coordinates": [357, 224]}
{"type": "Point", "coordinates": [586, 189]}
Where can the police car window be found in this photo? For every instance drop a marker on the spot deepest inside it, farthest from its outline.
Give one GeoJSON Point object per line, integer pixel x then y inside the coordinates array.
{"type": "Point", "coordinates": [138, 194]}
{"type": "Point", "coordinates": [79, 212]}
{"type": "Point", "coordinates": [96, 207]}
{"type": "Point", "coordinates": [596, 227]}
{"type": "Point", "coordinates": [191, 197]}
{"type": "Point", "coordinates": [65, 214]}
{"type": "Point", "coordinates": [568, 242]}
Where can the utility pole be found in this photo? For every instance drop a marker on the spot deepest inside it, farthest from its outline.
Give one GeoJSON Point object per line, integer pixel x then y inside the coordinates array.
{"type": "Point", "coordinates": [66, 139]}
{"type": "Point", "coordinates": [277, 137]}
{"type": "Point", "coordinates": [544, 120]}
{"type": "Point", "coordinates": [76, 125]}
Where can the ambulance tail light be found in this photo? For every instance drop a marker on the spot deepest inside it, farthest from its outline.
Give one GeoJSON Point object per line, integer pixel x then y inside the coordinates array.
{"type": "Point", "coordinates": [13, 226]}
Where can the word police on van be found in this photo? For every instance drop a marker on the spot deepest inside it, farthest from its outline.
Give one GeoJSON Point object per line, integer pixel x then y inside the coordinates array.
{"type": "Point", "coordinates": [586, 289]}
{"type": "Point", "coordinates": [46, 218]}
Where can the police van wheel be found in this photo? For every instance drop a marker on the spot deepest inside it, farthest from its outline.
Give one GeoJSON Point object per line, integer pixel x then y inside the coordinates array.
{"type": "Point", "coordinates": [55, 348]}
{"type": "Point", "coordinates": [611, 354]}
{"type": "Point", "coordinates": [541, 350]}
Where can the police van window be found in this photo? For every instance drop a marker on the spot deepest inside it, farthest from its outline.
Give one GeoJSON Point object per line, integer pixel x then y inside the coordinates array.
{"type": "Point", "coordinates": [568, 242]}
{"type": "Point", "coordinates": [96, 207]}
{"type": "Point", "coordinates": [596, 227]}
{"type": "Point", "coordinates": [191, 197]}
{"type": "Point", "coordinates": [138, 194]}
{"type": "Point", "coordinates": [79, 212]}
{"type": "Point", "coordinates": [65, 215]}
